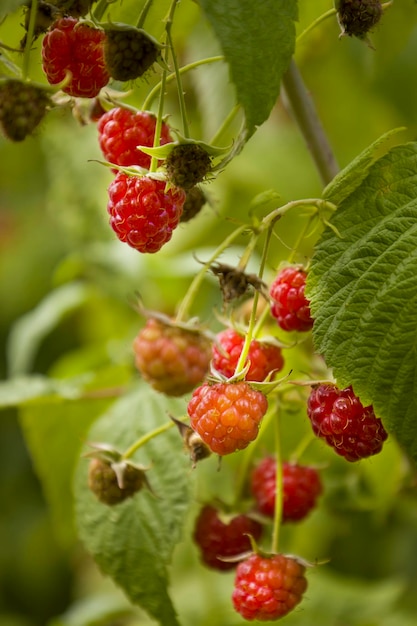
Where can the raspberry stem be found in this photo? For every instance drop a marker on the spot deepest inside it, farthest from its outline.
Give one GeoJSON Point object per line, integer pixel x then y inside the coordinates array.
{"type": "Point", "coordinates": [146, 106]}
{"type": "Point", "coordinates": [145, 438]}
{"type": "Point", "coordinates": [315, 23]}
{"type": "Point", "coordinates": [225, 125]}
{"type": "Point", "coordinates": [168, 27]}
{"type": "Point", "coordinates": [158, 126]}
{"type": "Point", "coordinates": [278, 485]}
{"type": "Point", "coordinates": [309, 124]}
{"type": "Point", "coordinates": [192, 291]}
{"type": "Point", "coordinates": [29, 38]}
{"type": "Point", "coordinates": [144, 13]}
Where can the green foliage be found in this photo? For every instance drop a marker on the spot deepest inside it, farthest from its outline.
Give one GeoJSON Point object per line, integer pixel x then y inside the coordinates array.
{"type": "Point", "coordinates": [133, 542]}
{"type": "Point", "coordinates": [363, 288]}
{"type": "Point", "coordinates": [258, 46]}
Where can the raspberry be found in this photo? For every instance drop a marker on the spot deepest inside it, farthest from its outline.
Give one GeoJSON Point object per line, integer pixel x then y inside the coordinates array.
{"type": "Point", "coordinates": [267, 588]}
{"type": "Point", "coordinates": [264, 358]}
{"type": "Point", "coordinates": [227, 415]}
{"type": "Point", "coordinates": [187, 164]}
{"type": "Point", "coordinates": [194, 201]}
{"type": "Point", "coordinates": [72, 46]}
{"type": "Point", "coordinates": [218, 539]}
{"type": "Point", "coordinates": [358, 17]}
{"type": "Point", "coordinates": [142, 212]}
{"type": "Point", "coordinates": [22, 108]}
{"type": "Point", "coordinates": [112, 487]}
{"type": "Point", "coordinates": [338, 417]}
{"type": "Point", "coordinates": [301, 486]}
{"type": "Point", "coordinates": [129, 52]}
{"type": "Point", "coordinates": [289, 306]}
{"type": "Point", "coordinates": [172, 359]}
{"type": "Point", "coordinates": [121, 130]}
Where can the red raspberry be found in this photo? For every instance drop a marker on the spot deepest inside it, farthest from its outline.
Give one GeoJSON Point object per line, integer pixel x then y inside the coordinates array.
{"type": "Point", "coordinates": [172, 359]}
{"type": "Point", "coordinates": [264, 358]}
{"type": "Point", "coordinates": [217, 538]}
{"type": "Point", "coordinates": [338, 417]}
{"type": "Point", "coordinates": [121, 130]}
{"type": "Point", "coordinates": [301, 485]}
{"type": "Point", "coordinates": [143, 213]}
{"type": "Point", "coordinates": [267, 588]}
{"type": "Point", "coordinates": [289, 306]}
{"type": "Point", "coordinates": [227, 415]}
{"type": "Point", "coordinates": [75, 47]}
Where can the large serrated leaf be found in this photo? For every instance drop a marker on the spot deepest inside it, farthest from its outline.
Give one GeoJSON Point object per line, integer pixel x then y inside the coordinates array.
{"type": "Point", "coordinates": [258, 42]}
{"type": "Point", "coordinates": [133, 541]}
{"type": "Point", "coordinates": [363, 292]}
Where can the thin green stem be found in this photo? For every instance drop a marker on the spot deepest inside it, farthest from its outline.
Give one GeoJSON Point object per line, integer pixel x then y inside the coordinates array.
{"type": "Point", "coordinates": [272, 217]}
{"type": "Point", "coordinates": [144, 13]}
{"type": "Point", "coordinates": [100, 10]}
{"type": "Point", "coordinates": [300, 239]}
{"type": "Point", "coordinates": [252, 321]}
{"type": "Point", "coordinates": [216, 139]}
{"type": "Point", "coordinates": [177, 72]}
{"type": "Point", "coordinates": [198, 279]}
{"type": "Point", "coordinates": [278, 487]}
{"type": "Point", "coordinates": [315, 23]}
{"type": "Point", "coordinates": [143, 440]}
{"type": "Point", "coordinates": [29, 38]}
{"type": "Point", "coordinates": [158, 126]}
{"type": "Point", "coordinates": [309, 124]}
{"type": "Point", "coordinates": [302, 446]}
{"type": "Point", "coordinates": [171, 77]}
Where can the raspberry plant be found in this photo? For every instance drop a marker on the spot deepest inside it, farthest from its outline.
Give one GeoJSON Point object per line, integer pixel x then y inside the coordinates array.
{"type": "Point", "coordinates": [277, 320]}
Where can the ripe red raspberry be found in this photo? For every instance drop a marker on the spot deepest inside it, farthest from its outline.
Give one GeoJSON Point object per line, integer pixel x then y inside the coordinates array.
{"type": "Point", "coordinates": [227, 415]}
{"type": "Point", "coordinates": [143, 213]}
{"type": "Point", "coordinates": [121, 130]}
{"type": "Point", "coordinates": [112, 487]}
{"type": "Point", "coordinates": [301, 486]}
{"type": "Point", "coordinates": [338, 417]}
{"type": "Point", "coordinates": [267, 588]}
{"type": "Point", "coordinates": [171, 359]}
{"type": "Point", "coordinates": [218, 539]}
{"type": "Point", "coordinates": [72, 46]}
{"type": "Point", "coordinates": [289, 306]}
{"type": "Point", "coordinates": [264, 358]}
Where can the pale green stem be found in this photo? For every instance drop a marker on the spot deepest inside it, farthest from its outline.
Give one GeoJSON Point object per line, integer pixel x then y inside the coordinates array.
{"type": "Point", "coordinates": [249, 333]}
{"type": "Point", "coordinates": [177, 72]}
{"type": "Point", "coordinates": [171, 77]}
{"type": "Point", "coordinates": [144, 13]}
{"type": "Point", "coordinates": [29, 38]}
{"type": "Point", "coordinates": [158, 126]}
{"type": "Point", "coordinates": [278, 487]}
{"type": "Point", "coordinates": [100, 10]}
{"type": "Point", "coordinates": [143, 440]}
{"type": "Point", "coordinates": [314, 24]}
{"type": "Point", "coordinates": [302, 447]}
{"type": "Point", "coordinates": [228, 120]}
{"type": "Point", "coordinates": [300, 238]}
{"type": "Point", "coordinates": [309, 124]}
{"type": "Point", "coordinates": [198, 279]}
{"type": "Point", "coordinates": [280, 211]}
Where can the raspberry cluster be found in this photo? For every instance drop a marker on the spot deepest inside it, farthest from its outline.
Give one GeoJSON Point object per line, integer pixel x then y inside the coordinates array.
{"type": "Point", "coordinates": [339, 418]}
{"type": "Point", "coordinates": [219, 539]}
{"type": "Point", "coordinates": [227, 415]}
{"type": "Point", "coordinates": [143, 212]}
{"type": "Point", "coordinates": [264, 358]}
{"type": "Point", "coordinates": [267, 588]}
{"type": "Point", "coordinates": [301, 486]}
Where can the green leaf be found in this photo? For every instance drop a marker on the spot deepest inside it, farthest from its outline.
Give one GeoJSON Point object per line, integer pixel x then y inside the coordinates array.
{"type": "Point", "coordinates": [257, 40]}
{"type": "Point", "coordinates": [133, 541]}
{"type": "Point", "coordinates": [22, 389]}
{"type": "Point", "coordinates": [363, 292]}
{"type": "Point", "coordinates": [30, 330]}
{"type": "Point", "coordinates": [348, 179]}
{"type": "Point", "coordinates": [54, 431]}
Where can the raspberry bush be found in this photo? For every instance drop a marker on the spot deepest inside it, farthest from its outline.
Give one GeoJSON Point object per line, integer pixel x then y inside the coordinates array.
{"type": "Point", "coordinates": [196, 302]}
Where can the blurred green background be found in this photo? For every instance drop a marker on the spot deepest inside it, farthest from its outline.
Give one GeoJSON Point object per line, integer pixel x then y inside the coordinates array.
{"type": "Point", "coordinates": [66, 287]}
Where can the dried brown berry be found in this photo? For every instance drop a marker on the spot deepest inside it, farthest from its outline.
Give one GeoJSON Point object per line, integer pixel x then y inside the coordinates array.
{"type": "Point", "coordinates": [22, 107]}
{"type": "Point", "coordinates": [129, 52]}
{"type": "Point", "coordinates": [187, 165]}
{"type": "Point", "coordinates": [358, 17]}
{"type": "Point", "coordinates": [113, 483]}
